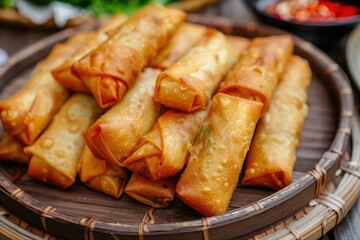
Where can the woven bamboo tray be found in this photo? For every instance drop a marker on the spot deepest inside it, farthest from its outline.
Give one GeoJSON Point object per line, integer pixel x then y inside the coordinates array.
{"type": "Point", "coordinates": [79, 213]}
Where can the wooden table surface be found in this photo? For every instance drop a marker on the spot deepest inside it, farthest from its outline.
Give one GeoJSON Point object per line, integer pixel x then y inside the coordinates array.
{"type": "Point", "coordinates": [12, 39]}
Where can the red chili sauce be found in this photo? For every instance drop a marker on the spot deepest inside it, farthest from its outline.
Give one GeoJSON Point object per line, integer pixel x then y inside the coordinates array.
{"type": "Point", "coordinates": [311, 11]}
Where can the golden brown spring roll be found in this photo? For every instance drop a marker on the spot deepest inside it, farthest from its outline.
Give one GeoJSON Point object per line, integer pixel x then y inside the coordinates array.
{"type": "Point", "coordinates": [256, 74]}
{"type": "Point", "coordinates": [190, 83]}
{"type": "Point", "coordinates": [27, 113]}
{"type": "Point", "coordinates": [185, 37]}
{"type": "Point", "coordinates": [77, 41]}
{"type": "Point", "coordinates": [111, 69]}
{"type": "Point", "coordinates": [100, 175]}
{"type": "Point", "coordinates": [116, 134]}
{"type": "Point", "coordinates": [239, 44]}
{"type": "Point", "coordinates": [272, 154]}
{"type": "Point", "coordinates": [12, 149]}
{"type": "Point", "coordinates": [56, 153]}
{"type": "Point", "coordinates": [63, 73]}
{"type": "Point", "coordinates": [157, 194]}
{"type": "Point", "coordinates": [163, 151]}
{"type": "Point", "coordinates": [218, 154]}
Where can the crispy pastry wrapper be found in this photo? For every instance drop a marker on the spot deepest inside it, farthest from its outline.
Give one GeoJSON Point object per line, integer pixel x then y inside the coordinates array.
{"type": "Point", "coordinates": [115, 135]}
{"type": "Point", "coordinates": [56, 153]}
{"type": "Point", "coordinates": [111, 69]}
{"type": "Point", "coordinates": [12, 149]}
{"type": "Point", "coordinates": [100, 175]}
{"type": "Point", "coordinates": [77, 41]}
{"type": "Point", "coordinates": [257, 71]}
{"type": "Point", "coordinates": [185, 37]}
{"type": "Point", "coordinates": [157, 194]}
{"type": "Point", "coordinates": [239, 44]}
{"type": "Point", "coordinates": [272, 154]}
{"type": "Point", "coordinates": [163, 151]}
{"type": "Point", "coordinates": [27, 113]}
{"type": "Point", "coordinates": [189, 84]}
{"type": "Point", "coordinates": [63, 73]}
{"type": "Point", "coordinates": [218, 154]}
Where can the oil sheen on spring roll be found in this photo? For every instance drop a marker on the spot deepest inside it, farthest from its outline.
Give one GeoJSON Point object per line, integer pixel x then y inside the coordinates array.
{"type": "Point", "coordinates": [163, 151]}
{"type": "Point", "coordinates": [189, 84]}
{"type": "Point", "coordinates": [111, 69]}
{"type": "Point", "coordinates": [218, 154]}
{"type": "Point", "coordinates": [26, 113]}
{"type": "Point", "coordinates": [100, 175]}
{"type": "Point", "coordinates": [184, 38]}
{"type": "Point", "coordinates": [12, 149]}
{"type": "Point", "coordinates": [257, 71]}
{"type": "Point", "coordinates": [157, 194]}
{"type": "Point", "coordinates": [63, 73]}
{"type": "Point", "coordinates": [56, 153]}
{"type": "Point", "coordinates": [115, 135]}
{"type": "Point", "coordinates": [272, 154]}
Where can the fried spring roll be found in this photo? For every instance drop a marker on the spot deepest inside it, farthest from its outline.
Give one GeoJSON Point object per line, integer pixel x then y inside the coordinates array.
{"type": "Point", "coordinates": [100, 175]}
{"type": "Point", "coordinates": [56, 153]}
{"type": "Point", "coordinates": [27, 113]}
{"type": "Point", "coordinates": [111, 69]}
{"type": "Point", "coordinates": [239, 44]}
{"type": "Point", "coordinates": [157, 194]}
{"type": "Point", "coordinates": [116, 134]}
{"type": "Point", "coordinates": [272, 154]}
{"type": "Point", "coordinates": [256, 73]}
{"type": "Point", "coordinates": [12, 149]}
{"type": "Point", "coordinates": [163, 151]}
{"type": "Point", "coordinates": [63, 73]}
{"type": "Point", "coordinates": [190, 83]}
{"type": "Point", "coordinates": [184, 38]}
{"type": "Point", "coordinates": [77, 41]}
{"type": "Point", "coordinates": [218, 154]}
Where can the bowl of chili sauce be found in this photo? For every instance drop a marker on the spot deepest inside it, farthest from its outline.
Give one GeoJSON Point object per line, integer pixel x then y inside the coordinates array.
{"type": "Point", "coordinates": [323, 22]}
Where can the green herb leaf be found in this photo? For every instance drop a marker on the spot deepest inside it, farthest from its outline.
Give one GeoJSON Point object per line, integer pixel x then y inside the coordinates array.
{"type": "Point", "coordinates": [7, 3]}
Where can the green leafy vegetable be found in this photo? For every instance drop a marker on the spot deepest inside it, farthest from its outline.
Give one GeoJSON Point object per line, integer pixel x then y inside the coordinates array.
{"type": "Point", "coordinates": [7, 3]}
{"type": "Point", "coordinates": [101, 7]}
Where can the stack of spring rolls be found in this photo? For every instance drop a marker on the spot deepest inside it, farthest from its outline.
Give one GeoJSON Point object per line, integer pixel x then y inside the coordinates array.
{"type": "Point", "coordinates": [157, 108]}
